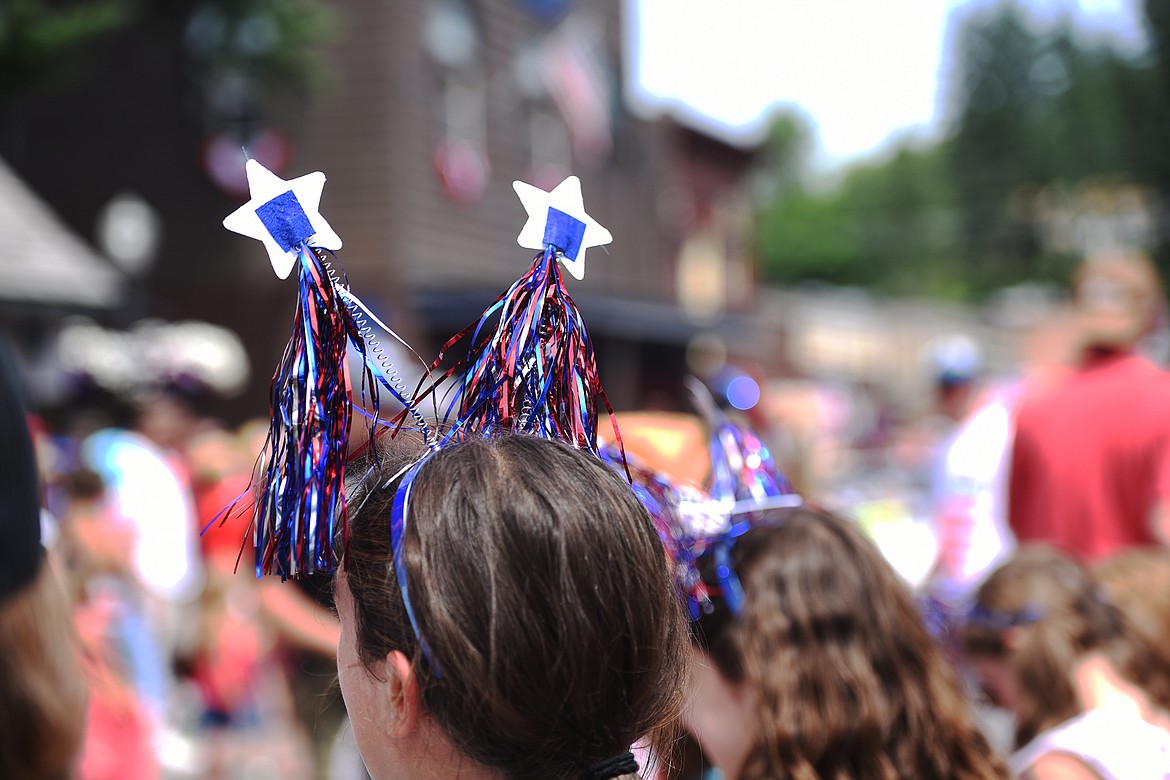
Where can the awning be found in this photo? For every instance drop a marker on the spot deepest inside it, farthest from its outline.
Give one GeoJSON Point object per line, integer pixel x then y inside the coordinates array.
{"type": "Point", "coordinates": [42, 262]}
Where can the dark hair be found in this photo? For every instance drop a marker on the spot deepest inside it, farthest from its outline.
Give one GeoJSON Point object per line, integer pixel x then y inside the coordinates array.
{"type": "Point", "coordinates": [850, 684]}
{"type": "Point", "coordinates": [1070, 618]}
{"type": "Point", "coordinates": [83, 485]}
{"type": "Point", "coordinates": [541, 589]}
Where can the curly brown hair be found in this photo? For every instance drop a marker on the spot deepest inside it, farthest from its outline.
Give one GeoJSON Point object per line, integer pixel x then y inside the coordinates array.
{"type": "Point", "coordinates": [850, 684]}
{"type": "Point", "coordinates": [541, 589]}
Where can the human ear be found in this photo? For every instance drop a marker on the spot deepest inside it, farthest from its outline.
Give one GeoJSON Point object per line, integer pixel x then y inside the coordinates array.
{"type": "Point", "coordinates": [402, 695]}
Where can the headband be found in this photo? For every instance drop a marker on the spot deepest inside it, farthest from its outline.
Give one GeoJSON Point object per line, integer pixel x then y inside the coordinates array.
{"type": "Point", "coordinates": [746, 485]}
{"type": "Point", "coordinates": [1001, 620]}
{"type": "Point", "coordinates": [666, 501]}
{"type": "Point", "coordinates": [745, 488]}
{"type": "Point", "coordinates": [528, 366]}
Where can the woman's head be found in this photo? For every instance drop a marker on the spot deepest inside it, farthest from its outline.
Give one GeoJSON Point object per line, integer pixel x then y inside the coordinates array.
{"type": "Point", "coordinates": [1035, 617]}
{"type": "Point", "coordinates": [553, 636]}
{"type": "Point", "coordinates": [832, 659]}
{"type": "Point", "coordinates": [1137, 583]}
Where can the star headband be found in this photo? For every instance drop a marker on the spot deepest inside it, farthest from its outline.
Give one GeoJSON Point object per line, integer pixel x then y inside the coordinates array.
{"type": "Point", "coordinates": [746, 484]}
{"type": "Point", "coordinates": [527, 366]}
{"type": "Point", "coordinates": [744, 488]}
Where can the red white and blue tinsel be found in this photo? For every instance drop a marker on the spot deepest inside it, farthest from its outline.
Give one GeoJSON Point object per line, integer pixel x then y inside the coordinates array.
{"type": "Point", "coordinates": [300, 504]}
{"type": "Point", "coordinates": [667, 503]}
{"type": "Point", "coordinates": [302, 496]}
{"type": "Point", "coordinates": [746, 486]}
{"type": "Point", "coordinates": [529, 365]}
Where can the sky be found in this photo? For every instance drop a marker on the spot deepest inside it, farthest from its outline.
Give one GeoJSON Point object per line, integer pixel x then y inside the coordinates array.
{"type": "Point", "coordinates": [865, 72]}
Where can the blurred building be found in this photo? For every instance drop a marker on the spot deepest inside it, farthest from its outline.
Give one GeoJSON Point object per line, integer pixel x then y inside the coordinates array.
{"type": "Point", "coordinates": [48, 273]}
{"type": "Point", "coordinates": [47, 269]}
{"type": "Point", "coordinates": [427, 113]}
{"type": "Point", "coordinates": [438, 106]}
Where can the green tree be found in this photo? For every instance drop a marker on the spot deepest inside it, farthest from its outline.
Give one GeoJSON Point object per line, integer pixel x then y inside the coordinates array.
{"type": "Point", "coordinates": [274, 43]}
{"type": "Point", "coordinates": [1036, 110]}
{"type": "Point", "coordinates": [39, 41]}
{"type": "Point", "coordinates": [889, 226]}
{"type": "Point", "coordinates": [1035, 114]}
{"type": "Point", "coordinates": [994, 149]}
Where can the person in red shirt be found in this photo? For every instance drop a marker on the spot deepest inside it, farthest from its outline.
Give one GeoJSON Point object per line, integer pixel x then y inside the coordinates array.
{"type": "Point", "coordinates": [1090, 469]}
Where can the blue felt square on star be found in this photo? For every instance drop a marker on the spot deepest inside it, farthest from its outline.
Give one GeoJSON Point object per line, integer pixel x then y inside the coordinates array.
{"type": "Point", "coordinates": [564, 231]}
{"type": "Point", "coordinates": [286, 221]}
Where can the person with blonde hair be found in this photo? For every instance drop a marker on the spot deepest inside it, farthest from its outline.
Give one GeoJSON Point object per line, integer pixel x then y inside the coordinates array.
{"type": "Point", "coordinates": [1049, 646]}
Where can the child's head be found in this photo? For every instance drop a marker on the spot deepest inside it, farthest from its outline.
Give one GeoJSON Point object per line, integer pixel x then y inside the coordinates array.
{"type": "Point", "coordinates": [1034, 618]}
{"type": "Point", "coordinates": [1117, 295]}
{"type": "Point", "coordinates": [98, 539]}
{"type": "Point", "coordinates": [553, 636]}
{"type": "Point", "coordinates": [1137, 583]}
{"type": "Point", "coordinates": [828, 665]}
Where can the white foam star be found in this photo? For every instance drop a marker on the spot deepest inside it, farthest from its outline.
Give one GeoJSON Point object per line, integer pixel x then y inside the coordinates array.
{"type": "Point", "coordinates": [273, 217]}
{"type": "Point", "coordinates": [566, 198]}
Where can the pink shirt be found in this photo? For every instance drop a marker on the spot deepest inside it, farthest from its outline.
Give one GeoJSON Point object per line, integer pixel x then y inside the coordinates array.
{"type": "Point", "coordinates": [1089, 462]}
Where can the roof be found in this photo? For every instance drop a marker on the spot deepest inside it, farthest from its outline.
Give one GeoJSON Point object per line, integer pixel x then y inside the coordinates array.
{"type": "Point", "coordinates": [745, 137]}
{"type": "Point", "coordinates": [44, 262]}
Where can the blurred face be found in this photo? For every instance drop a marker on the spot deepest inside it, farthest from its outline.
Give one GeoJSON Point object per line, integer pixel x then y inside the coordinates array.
{"type": "Point", "coordinates": [721, 715]}
{"type": "Point", "coordinates": [395, 736]}
{"type": "Point", "coordinates": [998, 679]}
{"type": "Point", "coordinates": [106, 541]}
{"type": "Point", "coordinates": [166, 422]}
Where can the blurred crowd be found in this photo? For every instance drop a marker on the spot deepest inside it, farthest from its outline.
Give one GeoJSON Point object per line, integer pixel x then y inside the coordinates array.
{"type": "Point", "coordinates": [1026, 515]}
{"type": "Point", "coordinates": [197, 668]}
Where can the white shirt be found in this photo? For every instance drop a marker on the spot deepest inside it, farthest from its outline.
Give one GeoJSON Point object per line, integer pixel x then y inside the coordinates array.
{"type": "Point", "coordinates": [1113, 740]}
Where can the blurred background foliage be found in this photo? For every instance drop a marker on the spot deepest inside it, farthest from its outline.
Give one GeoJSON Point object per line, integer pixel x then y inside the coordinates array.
{"type": "Point", "coordinates": [271, 42]}
{"type": "Point", "coordinates": [40, 41]}
{"type": "Point", "coordinates": [1041, 122]}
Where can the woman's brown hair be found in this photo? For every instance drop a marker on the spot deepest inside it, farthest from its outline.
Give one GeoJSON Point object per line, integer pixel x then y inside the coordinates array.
{"type": "Point", "coordinates": [1137, 583]}
{"type": "Point", "coordinates": [1067, 617]}
{"type": "Point", "coordinates": [541, 590]}
{"type": "Point", "coordinates": [42, 691]}
{"type": "Point", "coordinates": [849, 682]}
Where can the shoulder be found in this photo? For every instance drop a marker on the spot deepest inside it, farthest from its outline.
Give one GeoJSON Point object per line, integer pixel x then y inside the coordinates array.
{"type": "Point", "coordinates": [1113, 741]}
{"type": "Point", "coordinates": [1060, 766]}
{"type": "Point", "coordinates": [1138, 367]}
